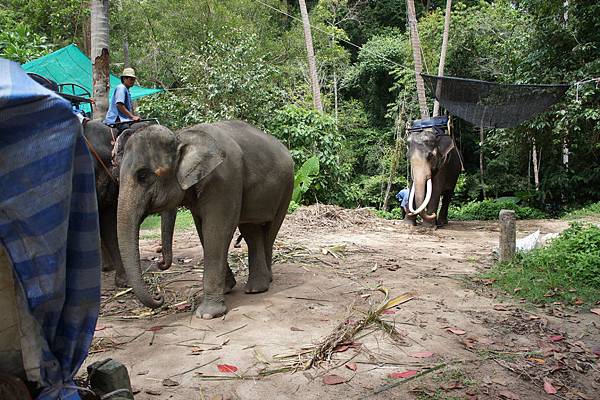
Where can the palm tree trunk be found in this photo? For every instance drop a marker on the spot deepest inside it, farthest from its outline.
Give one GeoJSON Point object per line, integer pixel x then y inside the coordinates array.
{"type": "Point", "coordinates": [416, 47]}
{"type": "Point", "coordinates": [436, 104]}
{"type": "Point", "coordinates": [100, 56]}
{"type": "Point", "coordinates": [312, 67]}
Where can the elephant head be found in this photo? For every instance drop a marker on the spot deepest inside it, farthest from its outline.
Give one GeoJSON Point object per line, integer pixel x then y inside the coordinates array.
{"type": "Point", "coordinates": [156, 170]}
{"type": "Point", "coordinates": [428, 150]}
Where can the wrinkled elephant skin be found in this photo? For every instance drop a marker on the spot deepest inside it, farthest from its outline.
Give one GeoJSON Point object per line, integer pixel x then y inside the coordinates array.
{"type": "Point", "coordinates": [99, 140]}
{"type": "Point", "coordinates": [229, 174]}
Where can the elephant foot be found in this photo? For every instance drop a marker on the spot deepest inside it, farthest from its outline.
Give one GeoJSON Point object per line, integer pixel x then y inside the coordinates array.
{"type": "Point", "coordinates": [258, 285]}
{"type": "Point", "coordinates": [429, 225]}
{"type": "Point", "coordinates": [212, 306]}
{"type": "Point", "coordinates": [442, 222]}
{"type": "Point", "coordinates": [409, 221]}
{"type": "Point", "coordinates": [230, 283]}
{"type": "Point", "coordinates": [121, 280]}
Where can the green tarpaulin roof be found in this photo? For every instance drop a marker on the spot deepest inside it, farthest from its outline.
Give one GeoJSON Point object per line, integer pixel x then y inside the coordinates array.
{"type": "Point", "coordinates": [71, 65]}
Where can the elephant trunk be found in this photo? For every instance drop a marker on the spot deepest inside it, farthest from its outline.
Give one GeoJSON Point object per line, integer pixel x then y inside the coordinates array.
{"type": "Point", "coordinates": [129, 218]}
{"type": "Point", "coordinates": [167, 226]}
{"type": "Point", "coordinates": [421, 189]}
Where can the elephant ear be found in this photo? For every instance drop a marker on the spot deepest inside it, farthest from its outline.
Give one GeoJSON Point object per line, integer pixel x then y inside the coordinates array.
{"type": "Point", "coordinates": [199, 155]}
{"type": "Point", "coordinates": [445, 144]}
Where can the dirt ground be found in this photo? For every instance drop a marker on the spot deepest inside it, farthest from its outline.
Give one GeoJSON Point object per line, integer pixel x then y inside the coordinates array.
{"type": "Point", "coordinates": [462, 338]}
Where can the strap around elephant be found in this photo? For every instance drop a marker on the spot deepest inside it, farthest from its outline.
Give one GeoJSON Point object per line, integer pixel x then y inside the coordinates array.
{"type": "Point", "coordinates": [95, 153]}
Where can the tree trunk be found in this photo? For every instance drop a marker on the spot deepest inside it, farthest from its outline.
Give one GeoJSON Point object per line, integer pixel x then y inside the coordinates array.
{"type": "Point", "coordinates": [312, 66]}
{"type": "Point", "coordinates": [126, 62]}
{"type": "Point", "coordinates": [416, 48]}
{"type": "Point", "coordinates": [395, 158]}
{"type": "Point", "coordinates": [436, 104]}
{"type": "Point", "coordinates": [100, 56]}
{"type": "Point", "coordinates": [481, 169]}
{"type": "Point", "coordinates": [536, 171]}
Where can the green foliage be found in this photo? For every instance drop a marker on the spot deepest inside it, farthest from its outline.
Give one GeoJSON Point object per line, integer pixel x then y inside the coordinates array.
{"type": "Point", "coordinates": [591, 210]}
{"type": "Point", "coordinates": [20, 44]}
{"type": "Point", "coordinates": [489, 210]}
{"type": "Point", "coordinates": [395, 213]}
{"type": "Point", "coordinates": [307, 133]}
{"type": "Point", "coordinates": [226, 79]}
{"type": "Point", "coordinates": [566, 269]}
{"type": "Point", "coordinates": [304, 178]}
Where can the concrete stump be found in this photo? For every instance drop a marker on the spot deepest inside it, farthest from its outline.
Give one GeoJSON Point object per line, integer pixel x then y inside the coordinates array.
{"type": "Point", "coordinates": [107, 376]}
{"type": "Point", "coordinates": [508, 234]}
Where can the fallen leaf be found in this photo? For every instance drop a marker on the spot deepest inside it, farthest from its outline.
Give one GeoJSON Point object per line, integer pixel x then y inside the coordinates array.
{"type": "Point", "coordinates": [155, 328]}
{"type": "Point", "coordinates": [595, 311]}
{"type": "Point", "coordinates": [517, 290]}
{"type": "Point", "coordinates": [333, 379]}
{"type": "Point", "coordinates": [507, 394]}
{"type": "Point", "coordinates": [501, 307]}
{"type": "Point", "coordinates": [539, 361]}
{"type": "Point", "coordinates": [452, 385]}
{"type": "Point", "coordinates": [351, 366]}
{"type": "Point", "coordinates": [102, 327]}
{"type": "Point", "coordinates": [488, 281]}
{"type": "Point", "coordinates": [196, 351]}
{"type": "Point", "coordinates": [227, 368]}
{"type": "Point", "coordinates": [293, 328]}
{"type": "Point", "coordinates": [143, 372]}
{"type": "Point", "coordinates": [340, 348]}
{"type": "Point", "coordinates": [355, 345]}
{"type": "Point", "coordinates": [422, 354]}
{"type": "Point", "coordinates": [456, 331]}
{"type": "Point", "coordinates": [556, 338]}
{"type": "Point", "coordinates": [486, 341]}
{"type": "Point", "coordinates": [548, 387]}
{"type": "Point", "coordinates": [374, 268]}
{"type": "Point", "coordinates": [403, 298]}
{"type": "Point", "coordinates": [169, 382]}
{"type": "Point", "coordinates": [404, 374]}
{"type": "Point", "coordinates": [152, 392]}
{"type": "Point", "coordinates": [389, 312]}
{"type": "Point", "coordinates": [578, 302]}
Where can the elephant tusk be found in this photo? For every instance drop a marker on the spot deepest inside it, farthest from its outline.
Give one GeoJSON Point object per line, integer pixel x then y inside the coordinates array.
{"type": "Point", "coordinates": [425, 202]}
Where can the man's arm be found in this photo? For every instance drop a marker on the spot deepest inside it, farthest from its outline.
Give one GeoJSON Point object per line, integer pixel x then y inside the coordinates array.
{"type": "Point", "coordinates": [125, 111]}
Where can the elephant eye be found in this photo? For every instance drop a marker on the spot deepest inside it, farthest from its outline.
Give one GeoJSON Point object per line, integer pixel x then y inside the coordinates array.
{"type": "Point", "coordinates": [143, 175]}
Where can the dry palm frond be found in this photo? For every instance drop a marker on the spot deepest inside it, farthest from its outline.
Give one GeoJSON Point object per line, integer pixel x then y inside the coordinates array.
{"type": "Point", "coordinates": [342, 335]}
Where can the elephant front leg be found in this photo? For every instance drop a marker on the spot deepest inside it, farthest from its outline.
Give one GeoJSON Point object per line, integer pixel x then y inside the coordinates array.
{"type": "Point", "coordinates": [216, 240]}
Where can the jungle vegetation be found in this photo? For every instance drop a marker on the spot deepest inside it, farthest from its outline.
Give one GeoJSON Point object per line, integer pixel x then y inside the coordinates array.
{"type": "Point", "coordinates": [247, 59]}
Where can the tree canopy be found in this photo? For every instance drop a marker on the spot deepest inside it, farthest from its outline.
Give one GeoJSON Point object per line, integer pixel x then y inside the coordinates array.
{"type": "Point", "coordinates": [246, 59]}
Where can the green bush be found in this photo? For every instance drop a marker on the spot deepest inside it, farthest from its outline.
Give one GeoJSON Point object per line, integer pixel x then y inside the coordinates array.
{"type": "Point", "coordinates": [307, 133]}
{"type": "Point", "coordinates": [566, 269]}
{"type": "Point", "coordinates": [489, 210]}
{"type": "Point", "coordinates": [589, 210]}
{"type": "Point", "coordinates": [395, 213]}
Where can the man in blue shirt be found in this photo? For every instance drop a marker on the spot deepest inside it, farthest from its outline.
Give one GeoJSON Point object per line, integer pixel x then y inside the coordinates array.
{"type": "Point", "coordinates": [402, 197]}
{"type": "Point", "coordinates": [121, 107]}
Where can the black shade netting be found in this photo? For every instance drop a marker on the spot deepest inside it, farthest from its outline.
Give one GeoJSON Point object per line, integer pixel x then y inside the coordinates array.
{"type": "Point", "coordinates": [492, 105]}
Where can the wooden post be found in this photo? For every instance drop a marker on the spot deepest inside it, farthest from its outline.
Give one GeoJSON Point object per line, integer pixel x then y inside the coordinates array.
{"type": "Point", "coordinates": [508, 234]}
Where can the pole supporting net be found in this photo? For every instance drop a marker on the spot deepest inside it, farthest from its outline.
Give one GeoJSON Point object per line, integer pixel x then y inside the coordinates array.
{"type": "Point", "coordinates": [492, 105]}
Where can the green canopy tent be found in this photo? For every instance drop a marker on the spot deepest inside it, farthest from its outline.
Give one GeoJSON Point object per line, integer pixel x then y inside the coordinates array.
{"type": "Point", "coordinates": [70, 65]}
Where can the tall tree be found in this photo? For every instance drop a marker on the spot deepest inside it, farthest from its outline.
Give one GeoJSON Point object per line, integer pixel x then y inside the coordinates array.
{"type": "Point", "coordinates": [416, 47]}
{"type": "Point", "coordinates": [312, 67]}
{"type": "Point", "coordinates": [436, 104]}
{"type": "Point", "coordinates": [100, 56]}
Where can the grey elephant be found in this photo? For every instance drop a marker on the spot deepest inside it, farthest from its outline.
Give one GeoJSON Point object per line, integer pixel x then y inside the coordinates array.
{"type": "Point", "coordinates": [228, 174]}
{"type": "Point", "coordinates": [99, 141]}
{"type": "Point", "coordinates": [435, 165]}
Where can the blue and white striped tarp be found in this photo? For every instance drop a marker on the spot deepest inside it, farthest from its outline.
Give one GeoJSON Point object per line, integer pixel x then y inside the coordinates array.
{"type": "Point", "coordinates": [49, 224]}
